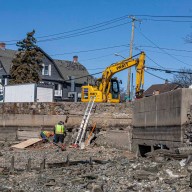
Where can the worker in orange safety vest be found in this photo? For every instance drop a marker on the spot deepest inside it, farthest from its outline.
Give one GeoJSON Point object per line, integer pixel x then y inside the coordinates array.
{"type": "Point", "coordinates": [46, 134]}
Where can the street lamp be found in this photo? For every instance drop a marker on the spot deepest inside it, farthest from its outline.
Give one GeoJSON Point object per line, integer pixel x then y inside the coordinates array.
{"type": "Point", "coordinates": [117, 54]}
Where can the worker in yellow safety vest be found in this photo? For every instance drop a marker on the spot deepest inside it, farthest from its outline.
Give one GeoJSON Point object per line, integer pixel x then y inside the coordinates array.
{"type": "Point", "coordinates": [59, 132]}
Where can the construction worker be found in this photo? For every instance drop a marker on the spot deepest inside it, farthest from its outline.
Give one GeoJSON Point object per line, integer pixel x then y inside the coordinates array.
{"type": "Point", "coordinates": [59, 132]}
{"type": "Point", "coordinates": [46, 134]}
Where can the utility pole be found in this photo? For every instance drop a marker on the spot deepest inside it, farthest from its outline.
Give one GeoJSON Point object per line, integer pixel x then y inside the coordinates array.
{"type": "Point", "coordinates": [130, 55]}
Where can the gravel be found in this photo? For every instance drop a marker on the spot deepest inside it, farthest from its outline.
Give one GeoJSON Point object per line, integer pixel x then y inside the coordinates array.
{"type": "Point", "coordinates": [94, 169]}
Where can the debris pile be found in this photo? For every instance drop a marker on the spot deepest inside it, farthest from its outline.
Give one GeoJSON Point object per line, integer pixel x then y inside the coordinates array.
{"type": "Point", "coordinates": [44, 167]}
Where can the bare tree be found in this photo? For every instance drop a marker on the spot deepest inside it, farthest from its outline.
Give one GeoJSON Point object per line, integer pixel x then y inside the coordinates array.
{"type": "Point", "coordinates": [184, 78]}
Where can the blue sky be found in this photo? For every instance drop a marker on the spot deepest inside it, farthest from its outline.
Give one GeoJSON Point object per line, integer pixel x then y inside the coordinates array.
{"type": "Point", "coordinates": [58, 16]}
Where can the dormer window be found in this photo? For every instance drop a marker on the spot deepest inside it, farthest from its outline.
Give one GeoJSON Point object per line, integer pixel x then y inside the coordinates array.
{"type": "Point", "coordinates": [46, 70]}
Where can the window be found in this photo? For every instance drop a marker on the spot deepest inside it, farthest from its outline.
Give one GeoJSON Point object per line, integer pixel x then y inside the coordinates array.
{"type": "Point", "coordinates": [85, 93]}
{"type": "Point", "coordinates": [56, 86]}
{"type": "Point", "coordinates": [46, 70]}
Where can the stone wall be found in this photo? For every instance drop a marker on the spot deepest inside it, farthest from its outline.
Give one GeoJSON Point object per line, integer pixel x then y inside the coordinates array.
{"type": "Point", "coordinates": [24, 120]}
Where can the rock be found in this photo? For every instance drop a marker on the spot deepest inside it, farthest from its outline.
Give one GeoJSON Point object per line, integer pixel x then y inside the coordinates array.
{"type": "Point", "coordinates": [159, 159]}
{"type": "Point", "coordinates": [5, 188]}
{"type": "Point", "coordinates": [143, 175]}
{"type": "Point", "coordinates": [111, 171]}
{"type": "Point", "coordinates": [1, 145]}
{"type": "Point", "coordinates": [189, 168]}
{"type": "Point", "coordinates": [173, 175]}
{"type": "Point", "coordinates": [169, 181]}
{"type": "Point", "coordinates": [152, 169]}
{"type": "Point", "coordinates": [97, 188]}
{"type": "Point", "coordinates": [77, 181]}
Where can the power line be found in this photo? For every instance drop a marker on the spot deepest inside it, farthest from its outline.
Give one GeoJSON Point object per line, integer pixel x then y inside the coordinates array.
{"type": "Point", "coordinates": [97, 57]}
{"type": "Point", "coordinates": [169, 49]}
{"type": "Point", "coordinates": [152, 68]}
{"type": "Point", "coordinates": [162, 49]}
{"type": "Point", "coordinates": [101, 24]}
{"type": "Point", "coordinates": [167, 20]}
{"type": "Point", "coordinates": [164, 53]}
{"type": "Point", "coordinates": [147, 67]}
{"type": "Point", "coordinates": [79, 29]}
{"type": "Point", "coordinates": [80, 34]}
{"type": "Point", "coordinates": [83, 76]}
{"type": "Point", "coordinates": [103, 56]}
{"type": "Point", "coordinates": [96, 68]}
{"type": "Point", "coordinates": [76, 34]}
{"type": "Point", "coordinates": [90, 50]}
{"type": "Point", "coordinates": [152, 60]}
{"type": "Point", "coordinates": [164, 16]}
{"type": "Point", "coordinates": [123, 45]}
{"type": "Point", "coordinates": [168, 71]}
{"type": "Point", "coordinates": [91, 26]}
{"type": "Point", "coordinates": [156, 76]}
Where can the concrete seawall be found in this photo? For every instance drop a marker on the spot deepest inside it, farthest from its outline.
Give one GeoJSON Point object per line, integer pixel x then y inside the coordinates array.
{"type": "Point", "coordinates": [24, 120]}
{"type": "Point", "coordinates": [161, 119]}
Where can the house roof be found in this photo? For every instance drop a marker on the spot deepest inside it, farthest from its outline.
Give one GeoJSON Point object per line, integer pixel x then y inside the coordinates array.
{"type": "Point", "coordinates": [6, 57]}
{"type": "Point", "coordinates": [162, 88]}
{"type": "Point", "coordinates": [69, 68]}
{"type": "Point", "coordinates": [65, 68]}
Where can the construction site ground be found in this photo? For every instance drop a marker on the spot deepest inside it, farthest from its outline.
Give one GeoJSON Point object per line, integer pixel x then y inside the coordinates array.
{"type": "Point", "coordinates": [44, 167]}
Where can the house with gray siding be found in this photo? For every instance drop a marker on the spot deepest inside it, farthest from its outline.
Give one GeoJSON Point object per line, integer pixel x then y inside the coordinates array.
{"type": "Point", "coordinates": [67, 77]}
{"type": "Point", "coordinates": [75, 75]}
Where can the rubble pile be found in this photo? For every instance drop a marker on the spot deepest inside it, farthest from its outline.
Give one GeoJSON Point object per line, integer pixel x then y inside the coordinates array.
{"type": "Point", "coordinates": [94, 169]}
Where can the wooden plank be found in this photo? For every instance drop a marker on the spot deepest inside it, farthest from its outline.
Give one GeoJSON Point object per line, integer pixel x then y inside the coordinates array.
{"type": "Point", "coordinates": [27, 143]}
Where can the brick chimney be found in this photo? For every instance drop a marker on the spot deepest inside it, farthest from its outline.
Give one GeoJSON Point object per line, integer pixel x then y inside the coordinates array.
{"type": "Point", "coordinates": [2, 45]}
{"type": "Point", "coordinates": [75, 59]}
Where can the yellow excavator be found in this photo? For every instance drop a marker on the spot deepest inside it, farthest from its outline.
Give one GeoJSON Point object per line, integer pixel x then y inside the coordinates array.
{"type": "Point", "coordinates": [107, 88]}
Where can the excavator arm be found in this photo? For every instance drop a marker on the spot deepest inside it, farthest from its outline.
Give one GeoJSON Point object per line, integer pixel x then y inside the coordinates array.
{"type": "Point", "coordinates": [105, 81]}
{"type": "Point", "coordinates": [107, 88]}
{"type": "Point", "coordinates": [140, 69]}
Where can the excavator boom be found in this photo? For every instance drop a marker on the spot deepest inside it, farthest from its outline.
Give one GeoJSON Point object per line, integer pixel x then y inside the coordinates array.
{"type": "Point", "coordinates": [108, 88]}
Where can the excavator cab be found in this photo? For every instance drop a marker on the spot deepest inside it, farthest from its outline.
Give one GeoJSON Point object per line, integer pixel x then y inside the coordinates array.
{"type": "Point", "coordinates": [114, 90]}
{"type": "Point", "coordinates": [113, 97]}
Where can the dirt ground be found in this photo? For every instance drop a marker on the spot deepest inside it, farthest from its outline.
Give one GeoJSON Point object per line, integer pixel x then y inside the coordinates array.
{"type": "Point", "coordinates": [44, 167]}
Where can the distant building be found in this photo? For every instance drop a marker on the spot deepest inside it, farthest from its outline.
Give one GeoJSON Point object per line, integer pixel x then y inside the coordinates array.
{"type": "Point", "coordinates": [67, 77]}
{"type": "Point", "coordinates": [157, 89]}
